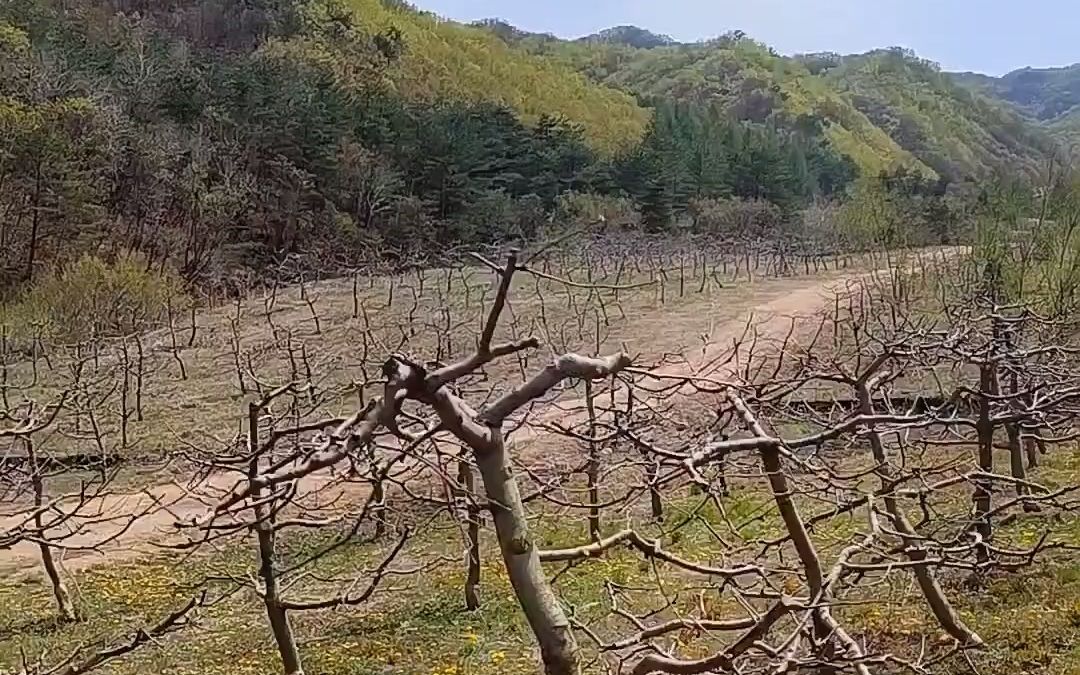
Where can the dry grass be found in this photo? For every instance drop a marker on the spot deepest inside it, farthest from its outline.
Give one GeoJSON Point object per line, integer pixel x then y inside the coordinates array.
{"type": "Point", "coordinates": [418, 625]}
{"type": "Point", "coordinates": [345, 352]}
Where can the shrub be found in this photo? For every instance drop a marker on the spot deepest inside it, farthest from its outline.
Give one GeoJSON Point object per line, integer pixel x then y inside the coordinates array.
{"type": "Point", "coordinates": [740, 219]}
{"type": "Point", "coordinates": [93, 298]}
{"type": "Point", "coordinates": [584, 209]}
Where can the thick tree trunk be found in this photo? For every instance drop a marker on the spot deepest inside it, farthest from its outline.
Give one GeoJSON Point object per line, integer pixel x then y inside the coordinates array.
{"type": "Point", "coordinates": [1031, 449]}
{"type": "Point", "coordinates": [1016, 445]}
{"type": "Point", "coordinates": [472, 553]}
{"type": "Point", "coordinates": [656, 503]}
{"type": "Point", "coordinates": [546, 618]}
{"type": "Point", "coordinates": [985, 430]}
{"type": "Point", "coordinates": [264, 531]}
{"type": "Point", "coordinates": [825, 626]}
{"type": "Point", "coordinates": [378, 509]}
{"type": "Point", "coordinates": [928, 584]}
{"type": "Point", "coordinates": [279, 619]}
{"type": "Point", "coordinates": [592, 467]}
{"type": "Point", "coordinates": [1016, 461]}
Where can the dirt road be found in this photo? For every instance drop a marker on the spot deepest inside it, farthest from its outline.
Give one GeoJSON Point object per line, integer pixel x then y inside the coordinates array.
{"type": "Point", "coordinates": [771, 304]}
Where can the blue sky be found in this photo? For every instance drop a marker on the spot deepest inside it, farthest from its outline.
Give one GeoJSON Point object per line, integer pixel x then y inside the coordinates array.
{"type": "Point", "coordinates": [990, 36]}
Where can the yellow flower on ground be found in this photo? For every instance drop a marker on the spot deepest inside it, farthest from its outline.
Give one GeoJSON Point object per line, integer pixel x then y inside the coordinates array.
{"type": "Point", "coordinates": [471, 637]}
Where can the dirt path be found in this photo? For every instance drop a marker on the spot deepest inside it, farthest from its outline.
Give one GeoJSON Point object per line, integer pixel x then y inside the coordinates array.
{"type": "Point", "coordinates": [772, 304]}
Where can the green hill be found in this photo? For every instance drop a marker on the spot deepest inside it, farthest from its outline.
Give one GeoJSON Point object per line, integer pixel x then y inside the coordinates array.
{"type": "Point", "coordinates": [746, 79]}
{"type": "Point", "coordinates": [216, 135]}
{"type": "Point", "coordinates": [886, 109]}
{"type": "Point", "coordinates": [631, 36]}
{"type": "Point", "coordinates": [229, 139]}
{"type": "Point", "coordinates": [446, 60]}
{"type": "Point", "coordinates": [1067, 128]}
{"type": "Point", "coordinates": [1048, 97]}
{"type": "Point", "coordinates": [1042, 93]}
{"type": "Point", "coordinates": [954, 130]}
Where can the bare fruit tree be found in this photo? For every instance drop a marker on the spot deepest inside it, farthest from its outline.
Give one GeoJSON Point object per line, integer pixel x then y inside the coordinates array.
{"type": "Point", "coordinates": [754, 503]}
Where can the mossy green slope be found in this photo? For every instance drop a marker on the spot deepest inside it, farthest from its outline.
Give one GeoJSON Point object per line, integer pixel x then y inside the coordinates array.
{"type": "Point", "coordinates": [955, 130]}
{"type": "Point", "coordinates": [741, 77]}
{"type": "Point", "coordinates": [447, 60]}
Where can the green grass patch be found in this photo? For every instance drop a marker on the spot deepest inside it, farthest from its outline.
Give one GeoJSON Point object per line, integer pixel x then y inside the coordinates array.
{"type": "Point", "coordinates": [418, 624]}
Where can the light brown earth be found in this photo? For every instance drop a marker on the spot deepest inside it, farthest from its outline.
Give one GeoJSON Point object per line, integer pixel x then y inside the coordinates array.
{"type": "Point", "coordinates": [701, 324]}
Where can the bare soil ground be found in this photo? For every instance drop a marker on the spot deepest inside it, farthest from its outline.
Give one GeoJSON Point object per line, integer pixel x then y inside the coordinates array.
{"type": "Point", "coordinates": [697, 325]}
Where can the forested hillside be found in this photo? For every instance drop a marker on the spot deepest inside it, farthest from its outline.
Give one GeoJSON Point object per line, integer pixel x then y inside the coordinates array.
{"type": "Point", "coordinates": [741, 79]}
{"type": "Point", "coordinates": [886, 110]}
{"type": "Point", "coordinates": [1067, 128]}
{"type": "Point", "coordinates": [222, 138]}
{"type": "Point", "coordinates": [226, 139]}
{"type": "Point", "coordinates": [1043, 93]}
{"type": "Point", "coordinates": [442, 60]}
{"type": "Point", "coordinates": [217, 136]}
{"type": "Point", "coordinates": [955, 131]}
